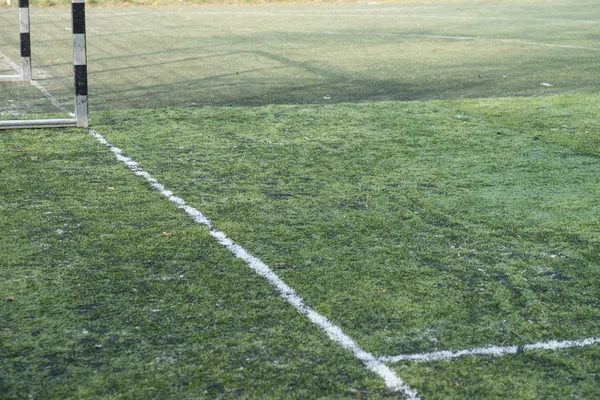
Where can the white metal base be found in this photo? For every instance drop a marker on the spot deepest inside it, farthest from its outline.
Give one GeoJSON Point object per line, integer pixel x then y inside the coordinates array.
{"type": "Point", "coordinates": [38, 123]}
{"type": "Point", "coordinates": [11, 78]}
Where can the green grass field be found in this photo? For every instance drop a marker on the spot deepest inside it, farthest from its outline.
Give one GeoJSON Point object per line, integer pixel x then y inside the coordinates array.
{"type": "Point", "coordinates": [423, 175]}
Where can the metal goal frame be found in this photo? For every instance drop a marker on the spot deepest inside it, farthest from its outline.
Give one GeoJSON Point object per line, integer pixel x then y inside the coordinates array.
{"type": "Point", "coordinates": [80, 116]}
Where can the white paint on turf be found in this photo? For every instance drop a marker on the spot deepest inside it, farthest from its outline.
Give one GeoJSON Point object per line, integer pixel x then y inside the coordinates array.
{"type": "Point", "coordinates": [335, 333]}
{"type": "Point", "coordinates": [491, 350]}
{"type": "Point", "coordinates": [10, 62]}
{"type": "Point", "coordinates": [51, 98]}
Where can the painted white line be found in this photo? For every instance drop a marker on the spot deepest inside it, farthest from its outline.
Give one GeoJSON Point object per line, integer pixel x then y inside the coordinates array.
{"type": "Point", "coordinates": [563, 46]}
{"type": "Point", "coordinates": [10, 63]}
{"type": "Point", "coordinates": [51, 98]}
{"type": "Point", "coordinates": [335, 333]}
{"type": "Point", "coordinates": [491, 350]}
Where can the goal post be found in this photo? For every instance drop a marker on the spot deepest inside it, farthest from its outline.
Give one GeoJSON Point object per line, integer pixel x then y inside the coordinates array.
{"type": "Point", "coordinates": [80, 115]}
{"type": "Point", "coordinates": [80, 63]}
{"type": "Point", "coordinates": [25, 40]}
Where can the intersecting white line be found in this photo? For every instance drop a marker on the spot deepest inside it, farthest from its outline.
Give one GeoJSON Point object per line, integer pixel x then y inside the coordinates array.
{"type": "Point", "coordinates": [490, 350]}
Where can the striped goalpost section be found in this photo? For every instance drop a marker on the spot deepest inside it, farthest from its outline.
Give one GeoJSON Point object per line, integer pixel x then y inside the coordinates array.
{"type": "Point", "coordinates": [25, 72]}
{"type": "Point", "coordinates": [80, 116]}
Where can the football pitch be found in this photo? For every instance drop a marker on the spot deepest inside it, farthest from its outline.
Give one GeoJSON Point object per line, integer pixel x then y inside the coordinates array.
{"type": "Point", "coordinates": [302, 201]}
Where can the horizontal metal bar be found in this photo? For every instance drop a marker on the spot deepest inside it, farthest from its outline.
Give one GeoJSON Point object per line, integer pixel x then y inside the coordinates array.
{"type": "Point", "coordinates": [38, 123]}
{"type": "Point", "coordinates": [11, 78]}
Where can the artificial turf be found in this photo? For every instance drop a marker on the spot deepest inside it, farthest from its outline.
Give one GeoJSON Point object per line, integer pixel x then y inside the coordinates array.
{"type": "Point", "coordinates": [417, 226]}
{"type": "Point", "coordinates": [464, 217]}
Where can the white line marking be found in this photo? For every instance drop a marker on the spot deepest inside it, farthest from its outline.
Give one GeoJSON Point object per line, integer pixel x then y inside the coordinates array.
{"type": "Point", "coordinates": [563, 46]}
{"type": "Point", "coordinates": [335, 333]}
{"type": "Point", "coordinates": [10, 63]}
{"type": "Point", "coordinates": [52, 99]}
{"type": "Point", "coordinates": [491, 350]}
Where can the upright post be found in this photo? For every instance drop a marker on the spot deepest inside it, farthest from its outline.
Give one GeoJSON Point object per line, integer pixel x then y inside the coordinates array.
{"type": "Point", "coordinates": [80, 63]}
{"type": "Point", "coordinates": [25, 40]}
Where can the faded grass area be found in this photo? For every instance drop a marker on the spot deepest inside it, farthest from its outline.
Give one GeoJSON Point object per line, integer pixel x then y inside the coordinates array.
{"type": "Point", "coordinates": [158, 3]}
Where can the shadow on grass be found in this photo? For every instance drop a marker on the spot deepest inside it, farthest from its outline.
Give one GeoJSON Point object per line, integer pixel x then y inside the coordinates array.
{"type": "Point", "coordinates": [260, 77]}
{"type": "Point", "coordinates": [198, 77]}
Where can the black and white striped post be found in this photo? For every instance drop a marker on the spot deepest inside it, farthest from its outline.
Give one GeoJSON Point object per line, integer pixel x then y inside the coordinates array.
{"type": "Point", "coordinates": [25, 40]}
{"type": "Point", "coordinates": [80, 63]}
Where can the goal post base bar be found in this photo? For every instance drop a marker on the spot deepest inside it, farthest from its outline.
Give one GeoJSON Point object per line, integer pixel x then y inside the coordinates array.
{"type": "Point", "coordinates": [39, 123]}
{"type": "Point", "coordinates": [11, 78]}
